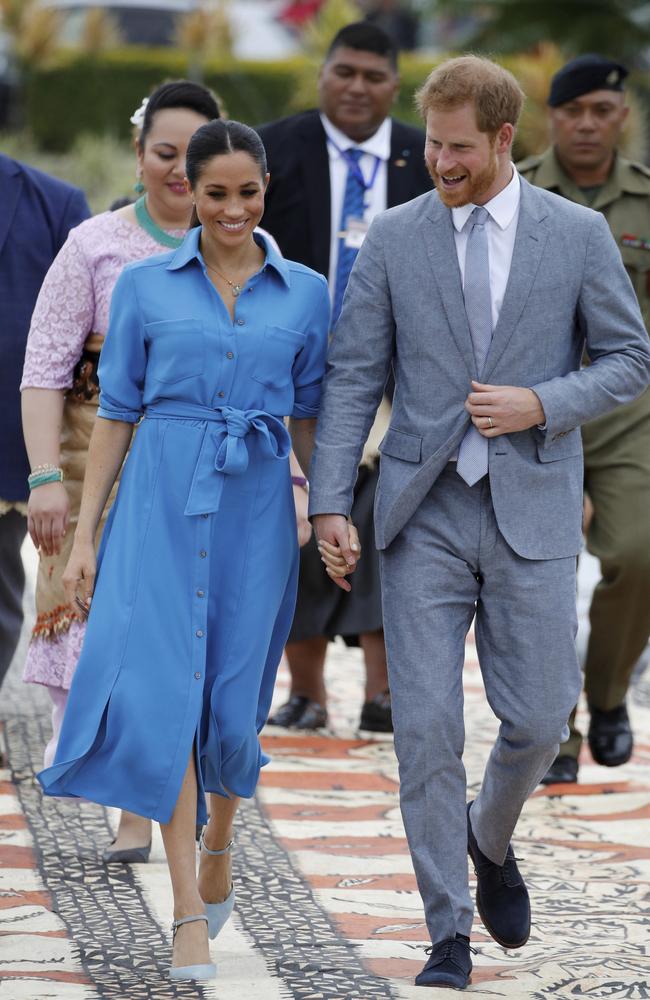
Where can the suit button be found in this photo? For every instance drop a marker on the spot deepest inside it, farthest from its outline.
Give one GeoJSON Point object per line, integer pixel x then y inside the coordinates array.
{"type": "Point", "coordinates": [240, 322]}
{"type": "Point", "coordinates": [200, 593]}
{"type": "Point", "coordinates": [197, 676]}
{"type": "Point", "coordinates": [199, 633]}
{"type": "Point", "coordinates": [205, 516]}
{"type": "Point", "coordinates": [221, 395]}
{"type": "Point", "coordinates": [230, 355]}
{"type": "Point", "coordinates": [203, 553]}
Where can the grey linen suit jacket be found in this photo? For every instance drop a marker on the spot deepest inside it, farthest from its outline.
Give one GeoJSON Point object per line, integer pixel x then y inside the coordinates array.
{"type": "Point", "coordinates": [404, 307]}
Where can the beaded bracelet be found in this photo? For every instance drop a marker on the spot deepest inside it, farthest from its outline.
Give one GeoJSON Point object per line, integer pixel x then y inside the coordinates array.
{"type": "Point", "coordinates": [300, 481]}
{"type": "Point", "coordinates": [46, 467]}
{"type": "Point", "coordinates": [53, 475]}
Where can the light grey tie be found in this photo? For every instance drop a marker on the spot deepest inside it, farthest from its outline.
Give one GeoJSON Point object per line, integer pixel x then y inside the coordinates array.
{"type": "Point", "coordinates": [472, 462]}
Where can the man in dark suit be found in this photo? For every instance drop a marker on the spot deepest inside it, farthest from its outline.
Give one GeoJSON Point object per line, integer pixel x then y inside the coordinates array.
{"type": "Point", "coordinates": [358, 84]}
{"type": "Point", "coordinates": [333, 170]}
{"type": "Point", "coordinates": [36, 213]}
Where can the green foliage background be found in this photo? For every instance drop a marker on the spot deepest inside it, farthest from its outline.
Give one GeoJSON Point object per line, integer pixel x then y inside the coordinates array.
{"type": "Point", "coordinates": [77, 108]}
{"type": "Point", "coordinates": [80, 94]}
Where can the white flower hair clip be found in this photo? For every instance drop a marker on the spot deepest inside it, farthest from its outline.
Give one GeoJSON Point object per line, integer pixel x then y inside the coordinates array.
{"type": "Point", "coordinates": [137, 118]}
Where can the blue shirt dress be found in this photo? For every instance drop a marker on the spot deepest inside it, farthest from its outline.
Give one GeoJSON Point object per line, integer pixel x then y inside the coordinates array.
{"type": "Point", "coordinates": [197, 569]}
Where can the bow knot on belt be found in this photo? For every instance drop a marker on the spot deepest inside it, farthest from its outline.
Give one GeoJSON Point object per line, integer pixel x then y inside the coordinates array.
{"type": "Point", "coordinates": [224, 449]}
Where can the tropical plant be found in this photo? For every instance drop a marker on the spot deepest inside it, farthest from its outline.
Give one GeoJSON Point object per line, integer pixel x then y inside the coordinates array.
{"type": "Point", "coordinates": [34, 30]}
{"type": "Point", "coordinates": [620, 28]}
{"type": "Point", "coordinates": [100, 32]}
{"type": "Point", "coordinates": [205, 35]}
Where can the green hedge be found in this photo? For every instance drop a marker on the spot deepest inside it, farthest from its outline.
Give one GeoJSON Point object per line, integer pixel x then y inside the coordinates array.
{"type": "Point", "coordinates": [98, 95]}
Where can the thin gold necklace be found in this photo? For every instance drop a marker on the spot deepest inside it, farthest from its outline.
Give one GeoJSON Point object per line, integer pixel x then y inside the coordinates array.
{"type": "Point", "coordinates": [234, 286]}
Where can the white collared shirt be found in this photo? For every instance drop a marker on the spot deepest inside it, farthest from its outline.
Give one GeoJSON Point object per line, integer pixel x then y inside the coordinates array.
{"type": "Point", "coordinates": [377, 147]}
{"type": "Point", "coordinates": [501, 232]}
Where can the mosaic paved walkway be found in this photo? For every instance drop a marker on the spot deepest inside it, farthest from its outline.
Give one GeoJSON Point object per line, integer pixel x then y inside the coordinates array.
{"type": "Point", "coordinates": [327, 906]}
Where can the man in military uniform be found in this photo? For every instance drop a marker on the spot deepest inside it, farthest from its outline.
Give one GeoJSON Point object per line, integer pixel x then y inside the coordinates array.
{"type": "Point", "coordinates": [587, 111]}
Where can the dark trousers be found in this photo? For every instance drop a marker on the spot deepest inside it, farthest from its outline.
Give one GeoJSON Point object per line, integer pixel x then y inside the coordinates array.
{"type": "Point", "coordinates": [13, 527]}
{"type": "Point", "coordinates": [617, 478]}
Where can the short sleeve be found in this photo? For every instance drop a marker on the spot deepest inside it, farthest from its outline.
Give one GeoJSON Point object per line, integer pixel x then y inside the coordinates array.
{"type": "Point", "coordinates": [62, 319]}
{"type": "Point", "coordinates": [309, 366]}
{"type": "Point", "coordinates": [123, 361]}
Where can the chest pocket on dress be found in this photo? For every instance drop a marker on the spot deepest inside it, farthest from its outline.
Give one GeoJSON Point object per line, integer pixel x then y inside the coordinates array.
{"type": "Point", "coordinates": [176, 349]}
{"type": "Point", "coordinates": [277, 354]}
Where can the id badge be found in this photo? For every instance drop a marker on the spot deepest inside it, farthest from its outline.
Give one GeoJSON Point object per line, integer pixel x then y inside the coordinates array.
{"type": "Point", "coordinates": [355, 233]}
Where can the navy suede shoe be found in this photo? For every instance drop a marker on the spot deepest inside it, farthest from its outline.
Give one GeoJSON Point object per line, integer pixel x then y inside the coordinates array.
{"type": "Point", "coordinates": [501, 895]}
{"type": "Point", "coordinates": [449, 964]}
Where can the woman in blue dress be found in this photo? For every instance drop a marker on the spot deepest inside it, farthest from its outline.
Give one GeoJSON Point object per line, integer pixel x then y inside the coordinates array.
{"type": "Point", "coordinates": [212, 345]}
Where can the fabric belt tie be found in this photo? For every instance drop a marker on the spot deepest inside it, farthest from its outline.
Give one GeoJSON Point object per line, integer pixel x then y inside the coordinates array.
{"type": "Point", "coordinates": [224, 450]}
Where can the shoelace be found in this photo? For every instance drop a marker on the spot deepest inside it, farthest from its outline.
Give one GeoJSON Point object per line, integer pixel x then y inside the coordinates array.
{"type": "Point", "coordinates": [509, 874]}
{"type": "Point", "coordinates": [446, 949]}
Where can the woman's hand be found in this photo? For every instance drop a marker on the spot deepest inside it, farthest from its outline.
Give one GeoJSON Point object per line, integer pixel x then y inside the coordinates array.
{"type": "Point", "coordinates": [79, 575]}
{"type": "Point", "coordinates": [338, 544]}
{"type": "Point", "coordinates": [301, 500]}
{"type": "Point", "coordinates": [48, 513]}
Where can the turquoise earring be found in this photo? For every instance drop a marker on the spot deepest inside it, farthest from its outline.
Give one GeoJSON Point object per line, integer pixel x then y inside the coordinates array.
{"type": "Point", "coordinates": [138, 187]}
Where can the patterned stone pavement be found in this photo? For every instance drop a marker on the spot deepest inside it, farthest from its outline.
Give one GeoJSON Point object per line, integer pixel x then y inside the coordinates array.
{"type": "Point", "coordinates": [327, 905]}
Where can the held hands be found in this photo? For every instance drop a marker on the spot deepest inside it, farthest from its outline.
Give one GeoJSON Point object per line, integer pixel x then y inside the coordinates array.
{"type": "Point", "coordinates": [79, 575]}
{"type": "Point", "coordinates": [502, 409]}
{"type": "Point", "coordinates": [48, 514]}
{"type": "Point", "coordinates": [338, 544]}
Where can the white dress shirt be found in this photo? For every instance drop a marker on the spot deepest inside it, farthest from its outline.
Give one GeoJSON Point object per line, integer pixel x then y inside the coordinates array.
{"type": "Point", "coordinates": [377, 147]}
{"type": "Point", "coordinates": [501, 232]}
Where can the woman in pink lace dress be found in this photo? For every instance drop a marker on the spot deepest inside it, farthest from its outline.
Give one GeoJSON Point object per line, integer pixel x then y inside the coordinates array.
{"type": "Point", "coordinates": [60, 383]}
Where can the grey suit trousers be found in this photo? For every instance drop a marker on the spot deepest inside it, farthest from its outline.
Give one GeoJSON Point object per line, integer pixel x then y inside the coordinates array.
{"type": "Point", "coordinates": [449, 563]}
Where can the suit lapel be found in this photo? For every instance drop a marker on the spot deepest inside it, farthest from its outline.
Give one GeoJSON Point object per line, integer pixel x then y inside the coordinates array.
{"type": "Point", "coordinates": [399, 187]}
{"type": "Point", "coordinates": [314, 164]}
{"type": "Point", "coordinates": [438, 233]}
{"type": "Point", "coordinates": [12, 182]}
{"type": "Point", "coordinates": [529, 245]}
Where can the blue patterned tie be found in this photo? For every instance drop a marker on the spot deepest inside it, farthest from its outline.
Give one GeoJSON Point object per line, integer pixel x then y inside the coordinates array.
{"type": "Point", "coordinates": [472, 462]}
{"type": "Point", "coordinates": [352, 209]}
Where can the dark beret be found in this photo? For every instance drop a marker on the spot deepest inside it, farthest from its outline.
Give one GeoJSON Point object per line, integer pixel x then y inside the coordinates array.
{"type": "Point", "coordinates": [584, 74]}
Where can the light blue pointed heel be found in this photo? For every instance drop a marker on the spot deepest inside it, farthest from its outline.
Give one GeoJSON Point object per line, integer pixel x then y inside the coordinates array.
{"type": "Point", "coordinates": [191, 973]}
{"type": "Point", "coordinates": [218, 913]}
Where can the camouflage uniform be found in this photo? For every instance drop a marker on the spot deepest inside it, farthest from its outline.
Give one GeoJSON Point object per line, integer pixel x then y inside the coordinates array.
{"type": "Point", "coordinates": [617, 456]}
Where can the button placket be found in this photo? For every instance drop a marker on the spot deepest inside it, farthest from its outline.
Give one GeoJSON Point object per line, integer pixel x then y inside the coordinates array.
{"type": "Point", "coordinates": [199, 602]}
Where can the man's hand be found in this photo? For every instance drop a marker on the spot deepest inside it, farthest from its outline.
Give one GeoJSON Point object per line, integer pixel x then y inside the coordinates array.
{"type": "Point", "coordinates": [338, 544]}
{"type": "Point", "coordinates": [502, 409]}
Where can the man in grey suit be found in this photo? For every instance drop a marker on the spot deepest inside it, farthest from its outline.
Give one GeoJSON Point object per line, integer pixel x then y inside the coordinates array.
{"type": "Point", "coordinates": [482, 296]}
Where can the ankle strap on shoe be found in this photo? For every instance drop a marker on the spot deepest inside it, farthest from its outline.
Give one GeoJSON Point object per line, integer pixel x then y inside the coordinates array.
{"type": "Point", "coordinates": [187, 920]}
{"type": "Point", "coordinates": [215, 854]}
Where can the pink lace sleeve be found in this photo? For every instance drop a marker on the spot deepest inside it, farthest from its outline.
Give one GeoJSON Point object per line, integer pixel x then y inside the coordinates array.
{"type": "Point", "coordinates": [61, 321]}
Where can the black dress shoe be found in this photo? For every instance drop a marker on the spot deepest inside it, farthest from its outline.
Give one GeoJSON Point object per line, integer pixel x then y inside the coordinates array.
{"type": "Point", "coordinates": [289, 713]}
{"type": "Point", "coordinates": [313, 716]}
{"type": "Point", "coordinates": [501, 895]}
{"type": "Point", "coordinates": [376, 714]}
{"type": "Point", "coordinates": [563, 771]}
{"type": "Point", "coordinates": [610, 736]}
{"type": "Point", "coordinates": [449, 964]}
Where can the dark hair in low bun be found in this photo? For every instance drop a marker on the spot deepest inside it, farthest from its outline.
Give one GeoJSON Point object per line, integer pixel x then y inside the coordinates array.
{"type": "Point", "coordinates": [179, 94]}
{"type": "Point", "coordinates": [218, 138]}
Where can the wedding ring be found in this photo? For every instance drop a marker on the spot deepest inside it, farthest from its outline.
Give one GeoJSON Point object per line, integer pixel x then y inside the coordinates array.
{"type": "Point", "coordinates": [490, 422]}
